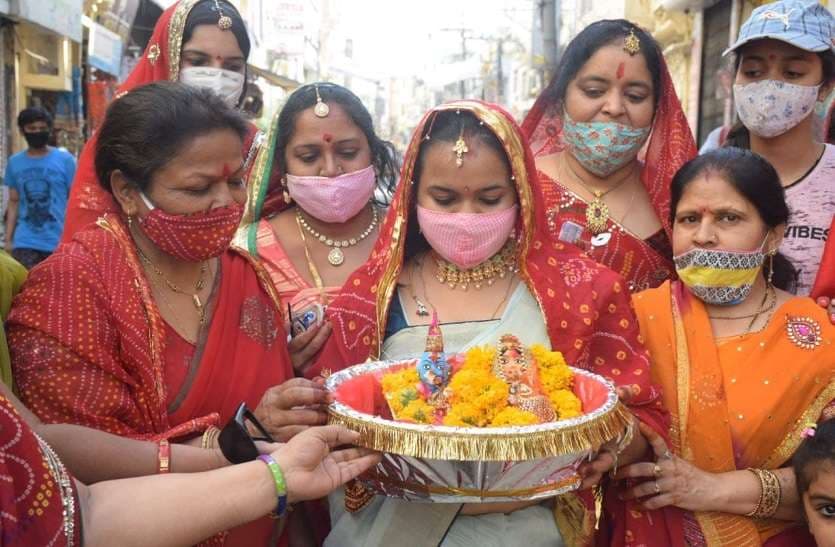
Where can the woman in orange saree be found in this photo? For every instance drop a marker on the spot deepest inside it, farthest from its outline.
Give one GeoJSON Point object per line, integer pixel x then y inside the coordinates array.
{"type": "Point", "coordinates": [744, 366]}
{"type": "Point", "coordinates": [187, 35]}
{"type": "Point", "coordinates": [146, 325]}
{"type": "Point", "coordinates": [558, 297]}
{"type": "Point", "coordinates": [612, 96]}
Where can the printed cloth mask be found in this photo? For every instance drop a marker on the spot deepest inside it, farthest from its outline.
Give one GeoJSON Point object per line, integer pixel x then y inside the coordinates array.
{"type": "Point", "coordinates": [603, 147]}
{"type": "Point", "coordinates": [771, 107]}
{"type": "Point", "coordinates": [466, 239]}
{"type": "Point", "coordinates": [227, 84]}
{"type": "Point", "coordinates": [36, 139]}
{"type": "Point", "coordinates": [720, 277]}
{"type": "Point", "coordinates": [194, 237]}
{"type": "Point", "coordinates": [333, 199]}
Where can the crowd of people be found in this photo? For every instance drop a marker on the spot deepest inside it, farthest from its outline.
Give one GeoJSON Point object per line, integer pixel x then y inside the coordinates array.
{"type": "Point", "coordinates": [209, 277]}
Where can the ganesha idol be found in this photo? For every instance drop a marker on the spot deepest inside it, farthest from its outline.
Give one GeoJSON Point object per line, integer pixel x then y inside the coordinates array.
{"type": "Point", "coordinates": [503, 423]}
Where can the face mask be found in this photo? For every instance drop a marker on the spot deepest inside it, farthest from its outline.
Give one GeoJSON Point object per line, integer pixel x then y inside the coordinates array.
{"type": "Point", "coordinates": [466, 239]}
{"type": "Point", "coordinates": [195, 237]}
{"type": "Point", "coordinates": [38, 139]}
{"type": "Point", "coordinates": [771, 107]}
{"type": "Point", "coordinates": [719, 277]}
{"type": "Point", "coordinates": [333, 199]}
{"type": "Point", "coordinates": [228, 85]}
{"type": "Point", "coordinates": [603, 147]}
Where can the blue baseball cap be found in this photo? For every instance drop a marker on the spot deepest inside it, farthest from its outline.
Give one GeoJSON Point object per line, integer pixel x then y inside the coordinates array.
{"type": "Point", "coordinates": [807, 25]}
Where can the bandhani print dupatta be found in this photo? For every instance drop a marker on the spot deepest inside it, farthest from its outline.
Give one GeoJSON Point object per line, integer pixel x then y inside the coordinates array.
{"type": "Point", "coordinates": [585, 305]}
{"type": "Point", "coordinates": [669, 147]}
{"type": "Point", "coordinates": [161, 61]}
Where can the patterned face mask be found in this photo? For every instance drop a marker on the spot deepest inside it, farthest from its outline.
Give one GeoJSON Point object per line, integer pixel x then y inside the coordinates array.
{"type": "Point", "coordinates": [769, 108]}
{"type": "Point", "coordinates": [603, 147]}
{"type": "Point", "coordinates": [192, 238]}
{"type": "Point", "coordinates": [720, 277]}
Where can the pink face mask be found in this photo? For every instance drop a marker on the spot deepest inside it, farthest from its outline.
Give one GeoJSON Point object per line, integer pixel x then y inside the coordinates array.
{"type": "Point", "coordinates": [466, 239]}
{"type": "Point", "coordinates": [333, 199]}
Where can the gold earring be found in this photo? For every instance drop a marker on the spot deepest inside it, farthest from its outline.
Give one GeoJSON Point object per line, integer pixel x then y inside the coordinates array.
{"type": "Point", "coordinates": [771, 267]}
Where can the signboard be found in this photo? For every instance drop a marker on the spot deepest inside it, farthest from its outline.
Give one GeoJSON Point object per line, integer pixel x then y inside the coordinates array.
{"type": "Point", "coordinates": [285, 23]}
{"type": "Point", "coordinates": [104, 50]}
{"type": "Point", "coordinates": [60, 16]}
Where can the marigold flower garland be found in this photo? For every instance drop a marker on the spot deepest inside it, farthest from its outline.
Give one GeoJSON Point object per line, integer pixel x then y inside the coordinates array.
{"type": "Point", "coordinates": [476, 397]}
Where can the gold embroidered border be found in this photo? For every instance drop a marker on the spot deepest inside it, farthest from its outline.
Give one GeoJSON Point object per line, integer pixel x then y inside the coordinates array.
{"type": "Point", "coordinates": [793, 438]}
{"type": "Point", "coordinates": [176, 28]}
{"type": "Point", "coordinates": [682, 380]}
{"type": "Point", "coordinates": [472, 492]}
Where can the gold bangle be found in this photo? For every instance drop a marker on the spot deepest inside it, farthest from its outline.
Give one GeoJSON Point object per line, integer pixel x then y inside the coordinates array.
{"type": "Point", "coordinates": [210, 437]}
{"type": "Point", "coordinates": [771, 492]}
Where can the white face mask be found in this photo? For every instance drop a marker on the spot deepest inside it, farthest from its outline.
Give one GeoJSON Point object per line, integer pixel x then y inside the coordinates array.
{"type": "Point", "coordinates": [227, 84]}
{"type": "Point", "coordinates": [769, 108]}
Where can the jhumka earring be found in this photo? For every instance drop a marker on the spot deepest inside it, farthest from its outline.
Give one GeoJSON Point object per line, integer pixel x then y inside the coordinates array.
{"type": "Point", "coordinates": [771, 267]}
{"type": "Point", "coordinates": [224, 22]}
{"type": "Point", "coordinates": [460, 148]}
{"type": "Point", "coordinates": [631, 44]}
{"type": "Point", "coordinates": [321, 109]}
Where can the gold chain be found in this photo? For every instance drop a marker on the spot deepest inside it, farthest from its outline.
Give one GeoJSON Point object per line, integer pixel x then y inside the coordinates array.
{"type": "Point", "coordinates": [195, 296]}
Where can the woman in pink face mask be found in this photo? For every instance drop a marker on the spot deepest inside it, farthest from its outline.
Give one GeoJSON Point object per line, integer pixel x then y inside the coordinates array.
{"type": "Point", "coordinates": [466, 237]}
{"type": "Point", "coordinates": [314, 205]}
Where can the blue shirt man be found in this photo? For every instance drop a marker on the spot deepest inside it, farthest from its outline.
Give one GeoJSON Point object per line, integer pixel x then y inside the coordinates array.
{"type": "Point", "coordinates": [39, 180]}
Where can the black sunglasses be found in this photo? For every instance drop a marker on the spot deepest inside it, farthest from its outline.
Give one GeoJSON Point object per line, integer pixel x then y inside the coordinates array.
{"type": "Point", "coordinates": [235, 441]}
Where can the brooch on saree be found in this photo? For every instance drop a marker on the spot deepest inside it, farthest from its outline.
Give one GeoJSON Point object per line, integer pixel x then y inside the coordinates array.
{"type": "Point", "coordinates": [804, 332]}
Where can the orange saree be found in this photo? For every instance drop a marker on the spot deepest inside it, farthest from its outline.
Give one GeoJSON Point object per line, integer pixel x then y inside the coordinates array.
{"type": "Point", "coordinates": [738, 402]}
{"type": "Point", "coordinates": [89, 346]}
{"type": "Point", "coordinates": [585, 305]}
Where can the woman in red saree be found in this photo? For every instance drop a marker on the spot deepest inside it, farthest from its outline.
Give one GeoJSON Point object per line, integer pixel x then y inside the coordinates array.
{"type": "Point", "coordinates": [558, 297]}
{"type": "Point", "coordinates": [187, 35]}
{"type": "Point", "coordinates": [146, 325]}
{"type": "Point", "coordinates": [612, 97]}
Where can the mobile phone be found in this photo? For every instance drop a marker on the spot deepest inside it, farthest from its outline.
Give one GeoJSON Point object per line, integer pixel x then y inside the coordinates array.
{"type": "Point", "coordinates": [306, 318]}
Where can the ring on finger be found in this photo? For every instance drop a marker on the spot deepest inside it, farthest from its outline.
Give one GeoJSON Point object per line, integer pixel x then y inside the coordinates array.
{"type": "Point", "coordinates": [657, 488]}
{"type": "Point", "coordinates": [656, 470]}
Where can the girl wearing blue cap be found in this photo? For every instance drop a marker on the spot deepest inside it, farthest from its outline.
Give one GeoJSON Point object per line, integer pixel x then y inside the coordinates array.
{"type": "Point", "coordinates": [785, 63]}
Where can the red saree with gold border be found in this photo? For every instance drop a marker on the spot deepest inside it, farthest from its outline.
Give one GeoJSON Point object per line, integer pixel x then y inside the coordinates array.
{"type": "Point", "coordinates": [161, 61]}
{"type": "Point", "coordinates": [586, 306]}
{"type": "Point", "coordinates": [642, 263]}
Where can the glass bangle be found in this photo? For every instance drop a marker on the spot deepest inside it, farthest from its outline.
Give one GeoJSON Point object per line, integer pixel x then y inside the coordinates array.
{"type": "Point", "coordinates": [280, 485]}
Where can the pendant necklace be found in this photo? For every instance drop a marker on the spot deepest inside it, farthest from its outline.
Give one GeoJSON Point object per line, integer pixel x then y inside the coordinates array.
{"type": "Point", "coordinates": [336, 257]}
{"type": "Point", "coordinates": [597, 212]}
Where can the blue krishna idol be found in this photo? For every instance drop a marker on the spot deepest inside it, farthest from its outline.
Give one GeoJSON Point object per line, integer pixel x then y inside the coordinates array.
{"type": "Point", "coordinates": [433, 367]}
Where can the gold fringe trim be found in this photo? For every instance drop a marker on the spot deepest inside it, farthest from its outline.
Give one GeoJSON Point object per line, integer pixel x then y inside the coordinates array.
{"type": "Point", "coordinates": [464, 446]}
{"type": "Point", "coordinates": [430, 488]}
{"type": "Point", "coordinates": [573, 519]}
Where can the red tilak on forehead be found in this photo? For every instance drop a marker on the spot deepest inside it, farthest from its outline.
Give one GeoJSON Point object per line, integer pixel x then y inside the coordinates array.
{"type": "Point", "coordinates": [226, 171]}
{"type": "Point", "coordinates": [327, 137]}
{"type": "Point", "coordinates": [621, 68]}
{"type": "Point", "coordinates": [771, 56]}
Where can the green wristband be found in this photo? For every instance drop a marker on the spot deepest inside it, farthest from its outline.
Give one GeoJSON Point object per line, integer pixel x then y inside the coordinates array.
{"type": "Point", "coordinates": [280, 484]}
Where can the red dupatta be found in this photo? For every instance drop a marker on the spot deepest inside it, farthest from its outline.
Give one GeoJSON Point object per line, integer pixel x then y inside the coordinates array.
{"type": "Point", "coordinates": [31, 490]}
{"type": "Point", "coordinates": [88, 343]}
{"type": "Point", "coordinates": [161, 61]}
{"type": "Point", "coordinates": [669, 147]}
{"type": "Point", "coordinates": [586, 306]}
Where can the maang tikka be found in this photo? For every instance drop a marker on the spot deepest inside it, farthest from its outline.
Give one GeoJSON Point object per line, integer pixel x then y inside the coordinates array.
{"type": "Point", "coordinates": [321, 109]}
{"type": "Point", "coordinates": [631, 44]}
{"type": "Point", "coordinates": [460, 148]}
{"type": "Point", "coordinates": [224, 22]}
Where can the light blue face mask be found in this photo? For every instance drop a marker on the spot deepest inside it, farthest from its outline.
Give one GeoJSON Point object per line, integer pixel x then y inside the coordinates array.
{"type": "Point", "coordinates": [603, 147]}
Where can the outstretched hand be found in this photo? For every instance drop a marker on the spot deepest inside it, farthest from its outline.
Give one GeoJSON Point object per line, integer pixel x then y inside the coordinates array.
{"type": "Point", "coordinates": [311, 467]}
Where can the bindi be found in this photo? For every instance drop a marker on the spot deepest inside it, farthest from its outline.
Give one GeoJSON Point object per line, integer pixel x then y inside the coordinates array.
{"type": "Point", "coordinates": [327, 137]}
{"type": "Point", "coordinates": [226, 171]}
{"type": "Point", "coordinates": [621, 70]}
{"type": "Point", "coordinates": [772, 57]}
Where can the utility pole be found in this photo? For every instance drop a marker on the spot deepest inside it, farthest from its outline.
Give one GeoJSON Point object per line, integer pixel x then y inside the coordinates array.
{"type": "Point", "coordinates": [499, 71]}
{"type": "Point", "coordinates": [550, 36]}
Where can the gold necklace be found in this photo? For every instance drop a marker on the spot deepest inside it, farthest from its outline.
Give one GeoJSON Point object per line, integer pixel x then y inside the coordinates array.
{"type": "Point", "coordinates": [770, 295]}
{"type": "Point", "coordinates": [336, 257]}
{"type": "Point", "coordinates": [195, 296]}
{"type": "Point", "coordinates": [597, 212]}
{"type": "Point", "coordinates": [498, 266]}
